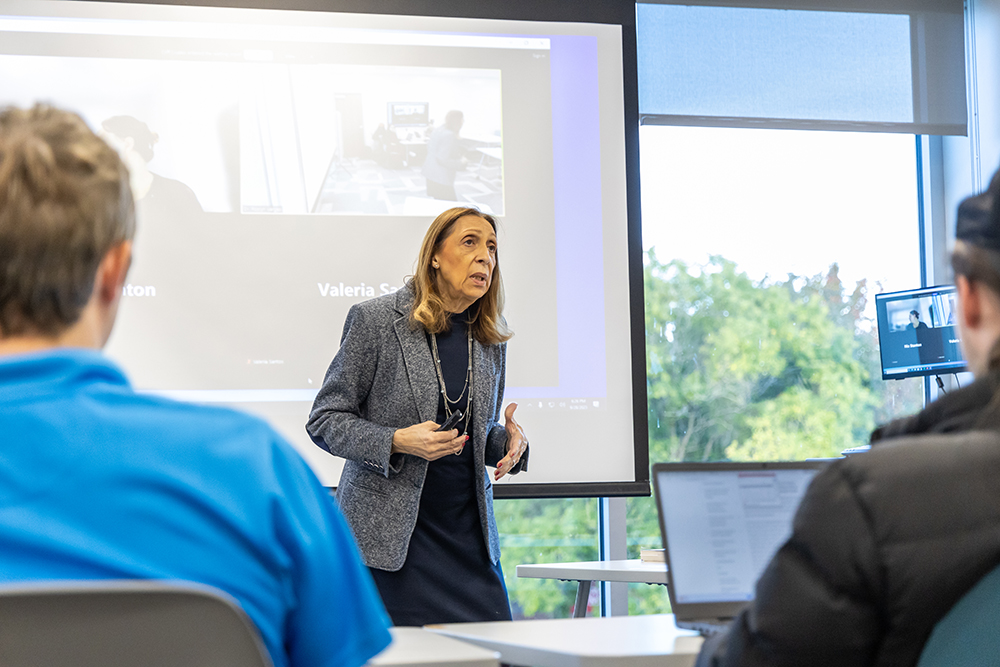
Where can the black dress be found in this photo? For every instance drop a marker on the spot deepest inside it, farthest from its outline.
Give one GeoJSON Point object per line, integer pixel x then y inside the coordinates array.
{"type": "Point", "coordinates": [447, 576]}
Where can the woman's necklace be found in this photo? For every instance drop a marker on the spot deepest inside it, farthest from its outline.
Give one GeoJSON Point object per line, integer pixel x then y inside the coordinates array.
{"type": "Point", "coordinates": [448, 403]}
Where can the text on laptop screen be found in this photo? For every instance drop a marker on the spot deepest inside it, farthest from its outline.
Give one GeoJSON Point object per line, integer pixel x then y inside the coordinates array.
{"type": "Point", "coordinates": [724, 526]}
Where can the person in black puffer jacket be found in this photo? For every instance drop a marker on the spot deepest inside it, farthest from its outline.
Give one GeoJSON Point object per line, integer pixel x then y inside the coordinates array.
{"type": "Point", "coordinates": [885, 542]}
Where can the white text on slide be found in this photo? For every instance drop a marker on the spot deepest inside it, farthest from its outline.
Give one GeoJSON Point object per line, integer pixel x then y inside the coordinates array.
{"type": "Point", "coordinates": [327, 289]}
{"type": "Point", "coordinates": [138, 290]}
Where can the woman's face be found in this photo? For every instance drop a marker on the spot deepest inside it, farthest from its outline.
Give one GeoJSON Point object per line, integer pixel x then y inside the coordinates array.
{"type": "Point", "coordinates": [464, 262]}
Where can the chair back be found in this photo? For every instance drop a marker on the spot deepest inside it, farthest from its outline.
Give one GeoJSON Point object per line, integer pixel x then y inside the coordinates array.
{"type": "Point", "coordinates": [134, 623]}
{"type": "Point", "coordinates": [969, 634]}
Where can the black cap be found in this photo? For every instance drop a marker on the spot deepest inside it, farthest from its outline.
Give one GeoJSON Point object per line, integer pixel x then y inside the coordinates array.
{"type": "Point", "coordinates": [978, 221]}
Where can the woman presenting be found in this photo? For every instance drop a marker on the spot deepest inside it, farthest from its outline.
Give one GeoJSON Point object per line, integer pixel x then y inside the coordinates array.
{"type": "Point", "coordinates": [420, 499]}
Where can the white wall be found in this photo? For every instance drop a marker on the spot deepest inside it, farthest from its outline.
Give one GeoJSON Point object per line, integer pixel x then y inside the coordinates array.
{"type": "Point", "coordinates": [969, 162]}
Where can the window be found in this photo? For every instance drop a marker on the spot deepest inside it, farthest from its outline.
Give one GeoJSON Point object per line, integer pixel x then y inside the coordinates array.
{"type": "Point", "coordinates": [784, 63]}
{"type": "Point", "coordinates": [765, 247]}
{"type": "Point", "coordinates": [549, 530]}
{"type": "Point", "coordinates": [764, 250]}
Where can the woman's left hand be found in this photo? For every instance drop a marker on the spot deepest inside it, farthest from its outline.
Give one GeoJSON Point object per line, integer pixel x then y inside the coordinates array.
{"type": "Point", "coordinates": [516, 443]}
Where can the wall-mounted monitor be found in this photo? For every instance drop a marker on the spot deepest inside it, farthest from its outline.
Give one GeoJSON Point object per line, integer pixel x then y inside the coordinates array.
{"type": "Point", "coordinates": [408, 114]}
{"type": "Point", "coordinates": [917, 332]}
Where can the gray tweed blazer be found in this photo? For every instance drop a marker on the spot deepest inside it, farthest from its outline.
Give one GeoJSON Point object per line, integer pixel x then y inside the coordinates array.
{"type": "Point", "coordinates": [383, 379]}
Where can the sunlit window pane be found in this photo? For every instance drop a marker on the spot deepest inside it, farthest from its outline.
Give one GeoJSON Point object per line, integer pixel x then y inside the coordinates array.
{"type": "Point", "coordinates": [764, 250]}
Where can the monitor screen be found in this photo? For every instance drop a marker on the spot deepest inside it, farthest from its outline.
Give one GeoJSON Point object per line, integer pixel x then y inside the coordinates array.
{"type": "Point", "coordinates": [917, 333]}
{"type": "Point", "coordinates": [405, 114]}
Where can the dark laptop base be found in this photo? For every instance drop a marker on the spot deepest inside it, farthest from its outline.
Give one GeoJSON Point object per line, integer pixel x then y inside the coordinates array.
{"type": "Point", "coordinates": [705, 628]}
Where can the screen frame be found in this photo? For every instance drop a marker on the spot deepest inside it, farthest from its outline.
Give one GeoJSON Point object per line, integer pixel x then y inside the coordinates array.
{"type": "Point", "coordinates": [880, 309]}
{"type": "Point", "coordinates": [613, 12]}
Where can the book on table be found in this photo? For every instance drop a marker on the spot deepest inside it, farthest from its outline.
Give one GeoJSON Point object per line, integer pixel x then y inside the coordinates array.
{"type": "Point", "coordinates": [652, 556]}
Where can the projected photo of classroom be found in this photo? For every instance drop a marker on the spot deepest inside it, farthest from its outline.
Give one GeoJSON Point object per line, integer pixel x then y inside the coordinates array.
{"type": "Point", "coordinates": [173, 122]}
{"type": "Point", "coordinates": [370, 140]}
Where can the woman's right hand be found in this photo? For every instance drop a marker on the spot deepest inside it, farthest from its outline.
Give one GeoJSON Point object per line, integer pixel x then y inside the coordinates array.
{"type": "Point", "coordinates": [425, 441]}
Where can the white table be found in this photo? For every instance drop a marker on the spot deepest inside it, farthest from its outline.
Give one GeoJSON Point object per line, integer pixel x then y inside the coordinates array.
{"type": "Point", "coordinates": [616, 641]}
{"type": "Point", "coordinates": [630, 571]}
{"type": "Point", "coordinates": [416, 647]}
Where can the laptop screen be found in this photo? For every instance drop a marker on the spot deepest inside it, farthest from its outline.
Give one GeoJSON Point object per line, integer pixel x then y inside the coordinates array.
{"type": "Point", "coordinates": [722, 522]}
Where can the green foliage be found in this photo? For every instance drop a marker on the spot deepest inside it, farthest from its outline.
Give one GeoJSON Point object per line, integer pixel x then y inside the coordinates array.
{"type": "Point", "coordinates": [755, 370]}
{"type": "Point", "coordinates": [545, 531]}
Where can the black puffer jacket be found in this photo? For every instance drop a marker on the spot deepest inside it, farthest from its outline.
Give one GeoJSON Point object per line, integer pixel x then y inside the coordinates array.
{"type": "Point", "coordinates": [883, 544]}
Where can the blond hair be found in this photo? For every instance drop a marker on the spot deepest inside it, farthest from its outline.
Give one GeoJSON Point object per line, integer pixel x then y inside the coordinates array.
{"type": "Point", "coordinates": [64, 203]}
{"type": "Point", "coordinates": [485, 315]}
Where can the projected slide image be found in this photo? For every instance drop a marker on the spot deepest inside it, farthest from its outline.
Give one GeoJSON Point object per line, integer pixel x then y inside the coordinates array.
{"type": "Point", "coordinates": [288, 163]}
{"type": "Point", "coordinates": [370, 140]}
{"type": "Point", "coordinates": [173, 122]}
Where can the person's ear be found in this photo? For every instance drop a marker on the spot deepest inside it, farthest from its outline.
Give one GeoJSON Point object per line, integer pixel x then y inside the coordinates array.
{"type": "Point", "coordinates": [970, 306]}
{"type": "Point", "coordinates": [112, 272]}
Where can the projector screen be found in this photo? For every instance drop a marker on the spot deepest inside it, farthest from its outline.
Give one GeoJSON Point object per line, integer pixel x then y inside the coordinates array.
{"type": "Point", "coordinates": [277, 160]}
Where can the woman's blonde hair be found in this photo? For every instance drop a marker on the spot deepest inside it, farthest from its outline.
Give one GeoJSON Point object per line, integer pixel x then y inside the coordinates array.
{"type": "Point", "coordinates": [485, 315]}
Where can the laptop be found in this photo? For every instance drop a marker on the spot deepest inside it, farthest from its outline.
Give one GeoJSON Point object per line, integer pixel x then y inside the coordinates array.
{"type": "Point", "coordinates": [721, 523]}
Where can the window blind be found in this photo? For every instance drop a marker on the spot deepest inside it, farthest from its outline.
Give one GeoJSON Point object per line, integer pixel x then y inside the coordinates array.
{"type": "Point", "coordinates": [891, 67]}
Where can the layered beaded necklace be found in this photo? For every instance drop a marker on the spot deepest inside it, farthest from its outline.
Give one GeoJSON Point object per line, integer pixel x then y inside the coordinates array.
{"type": "Point", "coordinates": [449, 403]}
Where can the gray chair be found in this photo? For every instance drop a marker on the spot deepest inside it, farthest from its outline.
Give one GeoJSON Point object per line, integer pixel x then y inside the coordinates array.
{"type": "Point", "coordinates": [132, 623]}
